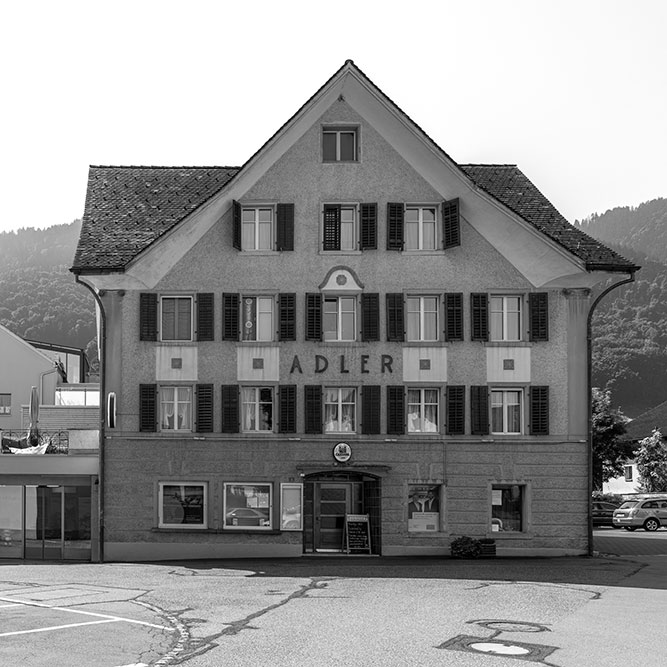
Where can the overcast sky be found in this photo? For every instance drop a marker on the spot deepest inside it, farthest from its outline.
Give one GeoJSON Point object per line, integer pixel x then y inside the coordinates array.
{"type": "Point", "coordinates": [572, 91]}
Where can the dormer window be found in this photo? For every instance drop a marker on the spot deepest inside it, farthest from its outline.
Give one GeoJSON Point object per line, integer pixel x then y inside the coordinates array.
{"type": "Point", "coordinates": [340, 144]}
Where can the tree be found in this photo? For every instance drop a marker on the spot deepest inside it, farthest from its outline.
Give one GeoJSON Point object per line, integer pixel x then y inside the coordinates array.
{"type": "Point", "coordinates": [610, 450]}
{"type": "Point", "coordinates": [651, 458]}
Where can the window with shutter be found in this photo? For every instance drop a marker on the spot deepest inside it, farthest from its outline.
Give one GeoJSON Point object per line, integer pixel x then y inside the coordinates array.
{"type": "Point", "coordinates": [539, 410]}
{"type": "Point", "coordinates": [204, 394]}
{"type": "Point", "coordinates": [257, 321]}
{"type": "Point", "coordinates": [287, 408]}
{"type": "Point", "coordinates": [287, 316]}
{"type": "Point", "coordinates": [479, 410]}
{"type": "Point", "coordinates": [257, 409]}
{"type": "Point", "coordinates": [395, 324]}
{"type": "Point", "coordinates": [148, 407]}
{"type": "Point", "coordinates": [285, 227]}
{"type": "Point", "coordinates": [538, 304]}
{"type": "Point", "coordinates": [230, 316]}
{"type": "Point", "coordinates": [395, 410]}
{"type": "Point", "coordinates": [148, 316]}
{"type": "Point", "coordinates": [454, 316]}
{"type": "Point", "coordinates": [479, 315]}
{"type": "Point", "coordinates": [230, 408]}
{"type": "Point", "coordinates": [370, 317]}
{"type": "Point", "coordinates": [312, 409]}
{"type": "Point", "coordinates": [205, 317]}
{"type": "Point", "coordinates": [455, 410]}
{"type": "Point", "coordinates": [313, 316]}
{"type": "Point", "coordinates": [370, 409]}
{"type": "Point", "coordinates": [236, 223]}
{"type": "Point", "coordinates": [395, 214]}
{"type": "Point", "coordinates": [331, 228]}
{"type": "Point", "coordinates": [368, 240]}
{"type": "Point", "coordinates": [176, 318]}
{"type": "Point", "coordinates": [451, 226]}
{"type": "Point", "coordinates": [507, 411]}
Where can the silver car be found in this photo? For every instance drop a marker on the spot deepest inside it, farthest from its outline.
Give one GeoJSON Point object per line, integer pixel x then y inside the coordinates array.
{"type": "Point", "coordinates": [649, 514]}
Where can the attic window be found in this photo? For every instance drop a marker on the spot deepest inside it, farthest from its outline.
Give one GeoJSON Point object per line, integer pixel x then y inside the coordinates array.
{"type": "Point", "coordinates": [340, 144]}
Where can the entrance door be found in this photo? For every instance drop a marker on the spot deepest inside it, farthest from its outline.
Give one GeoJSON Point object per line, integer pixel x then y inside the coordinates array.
{"type": "Point", "coordinates": [44, 522]}
{"type": "Point", "coordinates": [332, 501]}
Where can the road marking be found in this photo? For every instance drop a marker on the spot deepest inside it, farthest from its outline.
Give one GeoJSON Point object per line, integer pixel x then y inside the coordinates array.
{"type": "Point", "coordinates": [56, 627]}
{"type": "Point", "coordinates": [5, 606]}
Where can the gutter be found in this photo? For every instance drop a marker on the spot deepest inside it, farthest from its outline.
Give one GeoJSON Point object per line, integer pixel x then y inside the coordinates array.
{"type": "Point", "coordinates": [102, 348]}
{"type": "Point", "coordinates": [589, 361]}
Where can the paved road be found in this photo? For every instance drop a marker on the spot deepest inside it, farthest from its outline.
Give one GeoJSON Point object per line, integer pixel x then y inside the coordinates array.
{"type": "Point", "coordinates": [626, 543]}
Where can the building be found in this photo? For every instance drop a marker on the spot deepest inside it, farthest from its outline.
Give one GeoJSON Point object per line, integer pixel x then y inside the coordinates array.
{"type": "Point", "coordinates": [349, 344]}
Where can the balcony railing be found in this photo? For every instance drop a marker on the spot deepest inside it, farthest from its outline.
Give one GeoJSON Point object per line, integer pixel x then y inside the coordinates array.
{"type": "Point", "coordinates": [46, 442]}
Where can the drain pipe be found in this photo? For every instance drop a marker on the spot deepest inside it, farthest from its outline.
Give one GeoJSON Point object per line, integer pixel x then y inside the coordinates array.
{"type": "Point", "coordinates": [102, 349]}
{"type": "Point", "coordinates": [589, 345]}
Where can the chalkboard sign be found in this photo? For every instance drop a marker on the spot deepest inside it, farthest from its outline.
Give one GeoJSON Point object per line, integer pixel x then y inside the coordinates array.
{"type": "Point", "coordinates": [357, 533]}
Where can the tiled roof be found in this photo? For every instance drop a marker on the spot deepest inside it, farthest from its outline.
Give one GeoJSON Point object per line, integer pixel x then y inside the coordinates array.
{"type": "Point", "coordinates": [127, 208]}
{"type": "Point", "coordinates": [644, 424]}
{"type": "Point", "coordinates": [510, 186]}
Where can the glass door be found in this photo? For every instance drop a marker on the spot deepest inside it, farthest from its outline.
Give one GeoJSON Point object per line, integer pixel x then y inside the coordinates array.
{"type": "Point", "coordinates": [333, 500]}
{"type": "Point", "coordinates": [44, 522]}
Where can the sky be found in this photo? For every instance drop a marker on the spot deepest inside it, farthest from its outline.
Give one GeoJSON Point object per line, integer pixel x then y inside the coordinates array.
{"type": "Point", "coordinates": [574, 92]}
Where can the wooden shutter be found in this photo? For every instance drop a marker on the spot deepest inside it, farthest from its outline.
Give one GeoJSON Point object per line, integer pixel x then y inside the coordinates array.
{"type": "Point", "coordinates": [147, 316]}
{"type": "Point", "coordinates": [331, 227]}
{"type": "Point", "coordinates": [479, 410]}
{"type": "Point", "coordinates": [368, 237]}
{"type": "Point", "coordinates": [287, 316]}
{"type": "Point", "coordinates": [230, 316]}
{"type": "Point", "coordinates": [287, 408]}
{"type": "Point", "coordinates": [539, 410]}
{"type": "Point", "coordinates": [456, 399]}
{"type": "Point", "coordinates": [236, 223]}
{"type": "Point", "coordinates": [313, 316]}
{"type": "Point", "coordinates": [230, 408]}
{"type": "Point", "coordinates": [451, 226]}
{"type": "Point", "coordinates": [395, 410]}
{"type": "Point", "coordinates": [148, 407]}
{"type": "Point", "coordinates": [370, 409]}
{"type": "Point", "coordinates": [395, 326]}
{"type": "Point", "coordinates": [205, 316]}
{"type": "Point", "coordinates": [285, 227]}
{"type": "Point", "coordinates": [394, 226]}
{"type": "Point", "coordinates": [204, 395]}
{"type": "Point", "coordinates": [479, 315]}
{"type": "Point", "coordinates": [538, 304]}
{"type": "Point", "coordinates": [454, 316]}
{"type": "Point", "coordinates": [312, 408]}
{"type": "Point", "coordinates": [370, 317]}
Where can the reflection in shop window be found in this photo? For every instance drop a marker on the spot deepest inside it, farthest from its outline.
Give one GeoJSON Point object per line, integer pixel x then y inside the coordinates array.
{"type": "Point", "coordinates": [291, 506]}
{"type": "Point", "coordinates": [507, 512]}
{"type": "Point", "coordinates": [182, 505]}
{"type": "Point", "coordinates": [248, 506]}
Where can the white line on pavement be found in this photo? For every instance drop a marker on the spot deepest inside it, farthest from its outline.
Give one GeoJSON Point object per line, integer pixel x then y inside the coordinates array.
{"type": "Point", "coordinates": [57, 627]}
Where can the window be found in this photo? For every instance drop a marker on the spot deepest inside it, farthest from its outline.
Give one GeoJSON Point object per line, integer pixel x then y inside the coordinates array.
{"type": "Point", "coordinates": [339, 144]}
{"type": "Point", "coordinates": [257, 318]}
{"type": "Point", "coordinates": [507, 507]}
{"type": "Point", "coordinates": [182, 505]}
{"type": "Point", "coordinates": [75, 395]}
{"type": "Point", "coordinates": [339, 227]}
{"type": "Point", "coordinates": [505, 312]}
{"type": "Point", "coordinates": [176, 408]}
{"type": "Point", "coordinates": [176, 318]}
{"type": "Point", "coordinates": [422, 318]}
{"type": "Point", "coordinates": [257, 228]}
{"type": "Point", "coordinates": [291, 506]}
{"type": "Point", "coordinates": [5, 404]}
{"type": "Point", "coordinates": [339, 318]}
{"type": "Point", "coordinates": [257, 405]}
{"type": "Point", "coordinates": [420, 228]}
{"type": "Point", "coordinates": [248, 506]}
{"type": "Point", "coordinates": [506, 411]}
{"type": "Point", "coordinates": [423, 410]}
{"type": "Point", "coordinates": [340, 409]}
{"type": "Point", "coordinates": [263, 226]}
{"type": "Point", "coordinates": [627, 471]}
{"type": "Point", "coordinates": [423, 508]}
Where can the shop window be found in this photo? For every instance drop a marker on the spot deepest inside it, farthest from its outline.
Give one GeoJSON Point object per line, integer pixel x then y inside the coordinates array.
{"type": "Point", "coordinates": [340, 144]}
{"type": "Point", "coordinates": [423, 508]}
{"type": "Point", "coordinates": [5, 404]}
{"type": "Point", "coordinates": [422, 316]}
{"type": "Point", "coordinates": [506, 411]}
{"type": "Point", "coordinates": [183, 504]}
{"type": "Point", "coordinates": [339, 318]}
{"type": "Point", "coordinates": [257, 408]}
{"type": "Point", "coordinates": [257, 318]}
{"type": "Point", "coordinates": [507, 508]}
{"type": "Point", "coordinates": [340, 409]}
{"type": "Point", "coordinates": [291, 506]}
{"type": "Point", "coordinates": [248, 506]}
{"type": "Point", "coordinates": [175, 408]}
{"type": "Point", "coordinates": [423, 410]}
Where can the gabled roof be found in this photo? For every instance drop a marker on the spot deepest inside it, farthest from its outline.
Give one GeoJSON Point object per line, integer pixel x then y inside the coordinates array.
{"type": "Point", "coordinates": [644, 424]}
{"type": "Point", "coordinates": [127, 209]}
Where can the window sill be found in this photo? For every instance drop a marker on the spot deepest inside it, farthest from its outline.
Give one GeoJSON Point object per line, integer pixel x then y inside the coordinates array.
{"type": "Point", "coordinates": [508, 343]}
{"type": "Point", "coordinates": [509, 535]}
{"type": "Point", "coordinates": [340, 252]}
{"type": "Point", "coordinates": [219, 531]}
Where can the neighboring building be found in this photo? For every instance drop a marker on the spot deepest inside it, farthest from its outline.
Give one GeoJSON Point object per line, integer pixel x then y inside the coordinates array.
{"type": "Point", "coordinates": [349, 324]}
{"type": "Point", "coordinates": [48, 490]}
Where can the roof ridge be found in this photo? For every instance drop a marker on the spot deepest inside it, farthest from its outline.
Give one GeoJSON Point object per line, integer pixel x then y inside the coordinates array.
{"type": "Point", "coordinates": [148, 166]}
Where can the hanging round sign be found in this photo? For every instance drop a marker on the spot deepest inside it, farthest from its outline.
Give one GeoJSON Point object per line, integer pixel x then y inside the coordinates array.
{"type": "Point", "coordinates": [342, 452]}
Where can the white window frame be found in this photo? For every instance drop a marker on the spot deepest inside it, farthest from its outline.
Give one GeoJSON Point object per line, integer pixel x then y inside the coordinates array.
{"type": "Point", "coordinates": [506, 314]}
{"type": "Point", "coordinates": [420, 208]}
{"type": "Point", "coordinates": [262, 332]}
{"type": "Point", "coordinates": [255, 404]}
{"type": "Point", "coordinates": [505, 406]}
{"type": "Point", "coordinates": [340, 315]}
{"type": "Point", "coordinates": [421, 406]}
{"type": "Point", "coordinates": [498, 526]}
{"type": "Point", "coordinates": [176, 402]}
{"type": "Point", "coordinates": [162, 523]}
{"type": "Point", "coordinates": [421, 317]}
{"type": "Point", "coordinates": [5, 405]}
{"type": "Point", "coordinates": [338, 130]}
{"type": "Point", "coordinates": [176, 297]}
{"type": "Point", "coordinates": [256, 227]}
{"type": "Point", "coordinates": [339, 425]}
{"type": "Point", "coordinates": [354, 243]}
{"type": "Point", "coordinates": [291, 520]}
{"type": "Point", "coordinates": [250, 504]}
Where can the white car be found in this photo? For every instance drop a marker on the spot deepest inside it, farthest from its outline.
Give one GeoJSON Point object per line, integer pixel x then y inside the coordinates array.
{"type": "Point", "coordinates": [649, 514]}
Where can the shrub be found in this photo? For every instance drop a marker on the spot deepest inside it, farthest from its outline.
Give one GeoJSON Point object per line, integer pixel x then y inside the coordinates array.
{"type": "Point", "coordinates": [466, 547]}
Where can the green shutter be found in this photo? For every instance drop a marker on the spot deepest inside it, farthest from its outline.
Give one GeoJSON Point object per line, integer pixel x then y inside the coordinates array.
{"type": "Point", "coordinates": [395, 410]}
{"type": "Point", "coordinates": [287, 408]}
{"type": "Point", "coordinates": [147, 316]}
{"type": "Point", "coordinates": [451, 226]}
{"type": "Point", "coordinates": [204, 395]}
{"type": "Point", "coordinates": [313, 316]}
{"type": "Point", "coordinates": [370, 409]}
{"type": "Point", "coordinates": [205, 316]}
{"type": "Point", "coordinates": [539, 410]}
{"type": "Point", "coordinates": [287, 316]}
{"type": "Point", "coordinates": [230, 316]}
{"type": "Point", "coordinates": [394, 226]}
{"type": "Point", "coordinates": [148, 407]}
{"type": "Point", "coordinates": [479, 410]}
{"type": "Point", "coordinates": [368, 238]}
{"type": "Point", "coordinates": [479, 316]}
{"type": "Point", "coordinates": [538, 304]}
{"type": "Point", "coordinates": [395, 325]}
{"type": "Point", "coordinates": [236, 223]}
{"type": "Point", "coordinates": [230, 408]}
{"type": "Point", "coordinates": [312, 408]}
{"type": "Point", "coordinates": [331, 227]}
{"type": "Point", "coordinates": [456, 398]}
{"type": "Point", "coordinates": [285, 227]}
{"type": "Point", "coordinates": [453, 316]}
{"type": "Point", "coordinates": [370, 317]}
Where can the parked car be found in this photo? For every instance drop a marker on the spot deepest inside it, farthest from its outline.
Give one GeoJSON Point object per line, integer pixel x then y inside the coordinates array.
{"type": "Point", "coordinates": [647, 513]}
{"type": "Point", "coordinates": [248, 516]}
{"type": "Point", "coordinates": [603, 513]}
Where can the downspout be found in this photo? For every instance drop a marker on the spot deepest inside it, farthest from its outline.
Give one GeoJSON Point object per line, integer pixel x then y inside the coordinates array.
{"type": "Point", "coordinates": [102, 348]}
{"type": "Point", "coordinates": [589, 345]}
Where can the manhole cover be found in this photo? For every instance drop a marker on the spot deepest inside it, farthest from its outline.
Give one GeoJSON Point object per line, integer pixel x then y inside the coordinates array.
{"type": "Point", "coordinates": [518, 650]}
{"type": "Point", "coordinates": [510, 626]}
